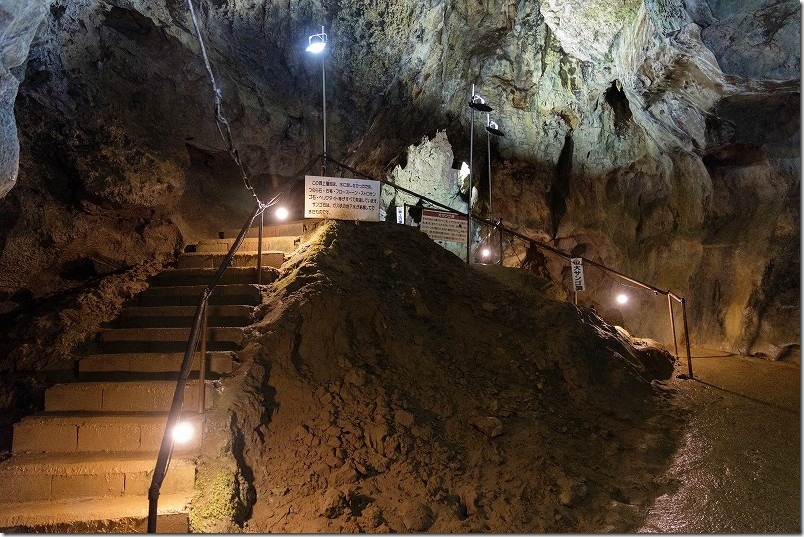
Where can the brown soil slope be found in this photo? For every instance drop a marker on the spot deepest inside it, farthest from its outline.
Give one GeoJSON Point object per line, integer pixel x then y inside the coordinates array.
{"type": "Point", "coordinates": [389, 387]}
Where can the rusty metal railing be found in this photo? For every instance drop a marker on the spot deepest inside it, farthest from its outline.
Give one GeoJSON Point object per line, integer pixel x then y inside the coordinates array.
{"type": "Point", "coordinates": [197, 339]}
{"type": "Point", "coordinates": [500, 228]}
{"type": "Point", "coordinates": [498, 225]}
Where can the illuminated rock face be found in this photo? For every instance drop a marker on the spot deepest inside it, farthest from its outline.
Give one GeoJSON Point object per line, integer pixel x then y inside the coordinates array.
{"type": "Point", "coordinates": [657, 136]}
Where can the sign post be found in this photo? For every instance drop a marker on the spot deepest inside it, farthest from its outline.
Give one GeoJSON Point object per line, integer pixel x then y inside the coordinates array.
{"type": "Point", "coordinates": [576, 264]}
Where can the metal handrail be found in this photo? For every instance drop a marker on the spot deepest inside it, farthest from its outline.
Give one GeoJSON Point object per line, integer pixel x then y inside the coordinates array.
{"type": "Point", "coordinates": [198, 329]}
{"type": "Point", "coordinates": [540, 245]}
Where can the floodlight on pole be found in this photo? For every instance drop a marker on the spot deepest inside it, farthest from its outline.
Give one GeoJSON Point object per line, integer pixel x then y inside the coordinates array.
{"type": "Point", "coordinates": [316, 44]}
{"type": "Point", "coordinates": [476, 102]}
{"type": "Point", "coordinates": [491, 128]}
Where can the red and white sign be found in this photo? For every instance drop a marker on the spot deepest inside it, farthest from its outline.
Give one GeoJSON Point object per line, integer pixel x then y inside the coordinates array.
{"type": "Point", "coordinates": [443, 225]}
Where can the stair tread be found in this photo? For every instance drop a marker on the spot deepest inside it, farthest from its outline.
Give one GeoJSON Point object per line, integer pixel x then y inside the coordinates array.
{"type": "Point", "coordinates": [214, 310]}
{"type": "Point", "coordinates": [157, 384]}
{"type": "Point", "coordinates": [112, 395]}
{"type": "Point", "coordinates": [293, 228]}
{"type": "Point", "coordinates": [70, 463]}
{"type": "Point", "coordinates": [181, 316]}
{"type": "Point", "coordinates": [149, 355]}
{"type": "Point", "coordinates": [235, 294]}
{"type": "Point", "coordinates": [238, 253]}
{"type": "Point", "coordinates": [198, 289]}
{"type": "Point", "coordinates": [171, 332]}
{"type": "Point", "coordinates": [144, 365]}
{"type": "Point", "coordinates": [43, 513]}
{"type": "Point", "coordinates": [126, 417]}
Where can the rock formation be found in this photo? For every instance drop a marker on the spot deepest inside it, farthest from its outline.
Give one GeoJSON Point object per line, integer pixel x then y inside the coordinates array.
{"type": "Point", "coordinates": [660, 138]}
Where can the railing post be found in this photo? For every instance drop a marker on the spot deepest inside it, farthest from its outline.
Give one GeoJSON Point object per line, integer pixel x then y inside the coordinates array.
{"type": "Point", "coordinates": [469, 234]}
{"type": "Point", "coordinates": [687, 335]}
{"type": "Point", "coordinates": [672, 322]}
{"type": "Point", "coordinates": [259, 250]}
{"type": "Point", "coordinates": [202, 366]}
{"type": "Point", "coordinates": [499, 232]}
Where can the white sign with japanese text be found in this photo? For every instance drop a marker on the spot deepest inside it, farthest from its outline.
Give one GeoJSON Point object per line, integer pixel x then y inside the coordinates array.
{"type": "Point", "coordinates": [576, 264]}
{"type": "Point", "coordinates": [341, 199]}
{"type": "Point", "coordinates": [443, 225]}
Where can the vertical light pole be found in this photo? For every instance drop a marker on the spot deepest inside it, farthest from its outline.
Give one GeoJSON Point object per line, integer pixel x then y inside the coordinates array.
{"type": "Point", "coordinates": [316, 44]}
{"type": "Point", "coordinates": [476, 102]}
{"type": "Point", "coordinates": [491, 128]}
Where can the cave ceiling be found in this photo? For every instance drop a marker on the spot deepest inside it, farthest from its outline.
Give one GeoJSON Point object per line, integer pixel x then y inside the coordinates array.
{"type": "Point", "coordinates": [682, 118]}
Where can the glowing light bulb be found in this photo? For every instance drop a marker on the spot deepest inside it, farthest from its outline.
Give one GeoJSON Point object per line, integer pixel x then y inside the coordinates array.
{"type": "Point", "coordinates": [183, 432]}
{"type": "Point", "coordinates": [486, 252]}
{"type": "Point", "coordinates": [622, 299]}
{"type": "Point", "coordinates": [281, 213]}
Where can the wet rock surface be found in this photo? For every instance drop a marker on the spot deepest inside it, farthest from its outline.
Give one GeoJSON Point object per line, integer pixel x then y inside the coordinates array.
{"type": "Point", "coordinates": [738, 468]}
{"type": "Point", "coordinates": [362, 412]}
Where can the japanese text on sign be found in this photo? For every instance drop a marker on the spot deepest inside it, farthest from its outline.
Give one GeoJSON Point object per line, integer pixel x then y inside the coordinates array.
{"type": "Point", "coordinates": [341, 199]}
{"type": "Point", "coordinates": [576, 264]}
{"type": "Point", "coordinates": [443, 225]}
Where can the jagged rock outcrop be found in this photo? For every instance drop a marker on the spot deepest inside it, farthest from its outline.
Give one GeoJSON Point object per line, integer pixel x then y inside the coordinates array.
{"type": "Point", "coordinates": [659, 137]}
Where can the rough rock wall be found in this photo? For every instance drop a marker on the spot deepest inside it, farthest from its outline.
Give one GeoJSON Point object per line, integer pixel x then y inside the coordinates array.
{"type": "Point", "coordinates": [19, 20]}
{"type": "Point", "coordinates": [639, 130]}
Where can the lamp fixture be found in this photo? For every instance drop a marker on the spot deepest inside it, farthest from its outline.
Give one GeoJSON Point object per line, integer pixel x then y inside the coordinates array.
{"type": "Point", "coordinates": [281, 213]}
{"type": "Point", "coordinates": [622, 298]}
{"type": "Point", "coordinates": [317, 42]}
{"type": "Point", "coordinates": [492, 127]}
{"type": "Point", "coordinates": [183, 432]}
{"type": "Point", "coordinates": [477, 102]}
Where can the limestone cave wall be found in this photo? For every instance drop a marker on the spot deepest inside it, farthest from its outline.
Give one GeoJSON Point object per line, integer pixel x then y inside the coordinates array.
{"type": "Point", "coordinates": [659, 137]}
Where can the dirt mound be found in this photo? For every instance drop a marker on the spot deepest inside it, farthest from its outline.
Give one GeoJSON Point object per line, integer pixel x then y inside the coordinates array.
{"type": "Point", "coordinates": [389, 387]}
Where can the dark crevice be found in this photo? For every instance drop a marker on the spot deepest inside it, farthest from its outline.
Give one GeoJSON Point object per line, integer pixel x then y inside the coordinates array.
{"type": "Point", "coordinates": [557, 197]}
{"type": "Point", "coordinates": [617, 99]}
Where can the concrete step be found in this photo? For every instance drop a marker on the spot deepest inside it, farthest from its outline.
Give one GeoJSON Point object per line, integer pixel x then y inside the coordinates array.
{"type": "Point", "coordinates": [32, 477]}
{"type": "Point", "coordinates": [182, 316]}
{"type": "Point", "coordinates": [96, 431]}
{"type": "Point", "coordinates": [287, 229]}
{"type": "Point", "coordinates": [134, 366]}
{"type": "Point", "coordinates": [203, 276]}
{"type": "Point", "coordinates": [240, 259]}
{"type": "Point", "coordinates": [191, 294]}
{"type": "Point", "coordinates": [269, 244]}
{"type": "Point", "coordinates": [165, 340]}
{"type": "Point", "coordinates": [136, 396]}
{"type": "Point", "coordinates": [125, 514]}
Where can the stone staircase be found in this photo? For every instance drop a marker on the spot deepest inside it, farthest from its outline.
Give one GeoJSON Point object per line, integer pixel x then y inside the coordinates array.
{"type": "Point", "coordinates": [85, 463]}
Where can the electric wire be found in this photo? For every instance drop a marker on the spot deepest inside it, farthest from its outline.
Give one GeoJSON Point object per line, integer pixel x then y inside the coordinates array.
{"type": "Point", "coordinates": [220, 120]}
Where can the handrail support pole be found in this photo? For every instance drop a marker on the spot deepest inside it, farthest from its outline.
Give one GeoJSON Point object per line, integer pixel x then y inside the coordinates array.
{"type": "Point", "coordinates": [259, 249]}
{"type": "Point", "coordinates": [202, 366]}
{"type": "Point", "coordinates": [687, 335]}
{"type": "Point", "coordinates": [672, 322]}
{"type": "Point", "coordinates": [500, 234]}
